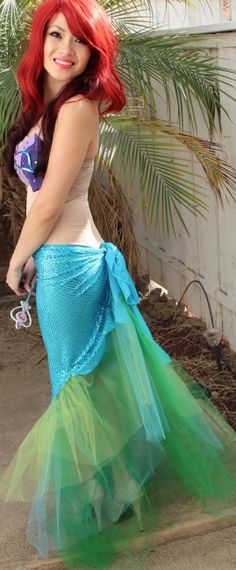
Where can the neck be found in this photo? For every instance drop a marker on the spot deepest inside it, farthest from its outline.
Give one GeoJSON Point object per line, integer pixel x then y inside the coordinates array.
{"type": "Point", "coordinates": [51, 89]}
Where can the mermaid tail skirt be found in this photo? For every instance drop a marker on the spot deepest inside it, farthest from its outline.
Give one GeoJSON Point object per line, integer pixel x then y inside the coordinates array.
{"type": "Point", "coordinates": [125, 425]}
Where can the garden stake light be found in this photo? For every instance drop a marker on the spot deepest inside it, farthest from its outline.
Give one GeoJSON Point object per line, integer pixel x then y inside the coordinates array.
{"type": "Point", "coordinates": [212, 334]}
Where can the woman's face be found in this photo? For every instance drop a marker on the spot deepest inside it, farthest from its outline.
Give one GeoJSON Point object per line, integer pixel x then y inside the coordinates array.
{"type": "Point", "coordinates": [65, 56]}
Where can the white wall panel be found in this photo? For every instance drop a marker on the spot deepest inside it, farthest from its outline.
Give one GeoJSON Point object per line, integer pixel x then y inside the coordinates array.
{"type": "Point", "coordinates": [209, 254]}
{"type": "Point", "coordinates": [202, 12]}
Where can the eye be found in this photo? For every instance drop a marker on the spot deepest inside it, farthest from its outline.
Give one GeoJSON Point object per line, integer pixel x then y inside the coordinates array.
{"type": "Point", "coordinates": [55, 34]}
{"type": "Point", "coordinates": [81, 41]}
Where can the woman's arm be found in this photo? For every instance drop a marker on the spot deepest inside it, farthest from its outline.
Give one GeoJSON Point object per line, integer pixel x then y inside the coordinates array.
{"type": "Point", "coordinates": [75, 128]}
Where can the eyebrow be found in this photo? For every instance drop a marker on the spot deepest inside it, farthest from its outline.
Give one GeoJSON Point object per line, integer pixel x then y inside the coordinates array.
{"type": "Point", "coordinates": [56, 26]}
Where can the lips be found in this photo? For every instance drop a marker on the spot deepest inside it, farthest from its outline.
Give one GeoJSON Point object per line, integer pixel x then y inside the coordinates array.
{"type": "Point", "coordinates": [63, 63]}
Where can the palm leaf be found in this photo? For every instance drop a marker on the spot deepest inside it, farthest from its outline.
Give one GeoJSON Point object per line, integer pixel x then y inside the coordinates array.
{"type": "Point", "coordinates": [173, 63]}
{"type": "Point", "coordinates": [9, 100]}
{"type": "Point", "coordinates": [158, 157]}
{"type": "Point", "coordinates": [156, 153]}
{"type": "Point", "coordinates": [147, 60]}
{"type": "Point", "coordinates": [123, 8]}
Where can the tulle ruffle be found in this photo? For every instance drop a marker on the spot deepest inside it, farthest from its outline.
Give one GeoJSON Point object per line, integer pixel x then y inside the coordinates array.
{"type": "Point", "coordinates": [127, 429]}
{"type": "Point", "coordinates": [129, 433]}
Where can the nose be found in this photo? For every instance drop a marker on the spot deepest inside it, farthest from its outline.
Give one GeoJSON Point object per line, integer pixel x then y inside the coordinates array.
{"type": "Point", "coordinates": [66, 46]}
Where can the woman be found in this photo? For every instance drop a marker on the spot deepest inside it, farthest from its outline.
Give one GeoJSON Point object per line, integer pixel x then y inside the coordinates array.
{"type": "Point", "coordinates": [123, 432]}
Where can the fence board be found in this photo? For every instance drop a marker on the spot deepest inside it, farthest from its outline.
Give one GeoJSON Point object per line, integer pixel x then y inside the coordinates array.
{"type": "Point", "coordinates": [199, 14]}
{"type": "Point", "coordinates": [209, 254]}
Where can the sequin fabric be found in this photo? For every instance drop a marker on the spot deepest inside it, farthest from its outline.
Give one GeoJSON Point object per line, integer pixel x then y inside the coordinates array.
{"type": "Point", "coordinates": [26, 159]}
{"type": "Point", "coordinates": [78, 296]}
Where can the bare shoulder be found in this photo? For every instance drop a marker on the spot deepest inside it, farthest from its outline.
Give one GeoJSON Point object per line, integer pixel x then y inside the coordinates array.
{"type": "Point", "coordinates": [79, 109]}
{"type": "Point", "coordinates": [77, 128]}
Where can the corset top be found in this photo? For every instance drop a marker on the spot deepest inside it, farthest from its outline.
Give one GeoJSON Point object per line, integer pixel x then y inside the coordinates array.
{"type": "Point", "coordinates": [26, 159]}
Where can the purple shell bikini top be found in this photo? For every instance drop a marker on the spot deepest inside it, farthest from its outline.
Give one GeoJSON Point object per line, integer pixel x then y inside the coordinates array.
{"type": "Point", "coordinates": [26, 159]}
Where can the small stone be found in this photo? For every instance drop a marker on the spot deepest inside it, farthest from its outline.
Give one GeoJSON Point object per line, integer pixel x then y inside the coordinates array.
{"type": "Point", "coordinates": [163, 298]}
{"type": "Point", "coordinates": [215, 394]}
{"type": "Point", "coordinates": [154, 296]}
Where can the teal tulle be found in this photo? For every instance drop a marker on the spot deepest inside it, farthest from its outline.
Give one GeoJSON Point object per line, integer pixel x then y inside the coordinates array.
{"type": "Point", "coordinates": [126, 426]}
{"type": "Point", "coordinates": [79, 294]}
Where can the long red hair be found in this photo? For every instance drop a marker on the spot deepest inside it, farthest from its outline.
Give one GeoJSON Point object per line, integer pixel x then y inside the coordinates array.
{"type": "Point", "coordinates": [100, 81]}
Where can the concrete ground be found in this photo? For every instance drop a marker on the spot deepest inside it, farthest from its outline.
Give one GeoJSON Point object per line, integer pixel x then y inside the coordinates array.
{"type": "Point", "coordinates": [195, 542]}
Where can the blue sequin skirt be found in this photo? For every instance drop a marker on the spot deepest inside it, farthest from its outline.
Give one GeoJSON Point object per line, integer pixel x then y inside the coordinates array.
{"type": "Point", "coordinates": [79, 301]}
{"type": "Point", "coordinates": [126, 427]}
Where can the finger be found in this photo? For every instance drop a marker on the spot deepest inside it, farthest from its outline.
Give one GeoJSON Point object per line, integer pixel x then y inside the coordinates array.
{"type": "Point", "coordinates": [21, 287]}
{"type": "Point", "coordinates": [27, 286]}
{"type": "Point", "coordinates": [9, 286]}
{"type": "Point", "coordinates": [19, 290]}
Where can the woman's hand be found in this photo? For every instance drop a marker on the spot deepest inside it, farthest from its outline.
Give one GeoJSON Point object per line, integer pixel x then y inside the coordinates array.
{"type": "Point", "coordinates": [13, 279]}
{"type": "Point", "coordinates": [19, 279]}
{"type": "Point", "coordinates": [29, 274]}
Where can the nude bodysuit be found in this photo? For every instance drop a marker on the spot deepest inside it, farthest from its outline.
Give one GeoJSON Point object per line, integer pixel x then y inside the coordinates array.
{"type": "Point", "coordinates": [75, 224]}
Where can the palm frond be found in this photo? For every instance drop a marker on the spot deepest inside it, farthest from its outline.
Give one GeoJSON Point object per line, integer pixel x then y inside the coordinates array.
{"type": "Point", "coordinates": [118, 8]}
{"type": "Point", "coordinates": [9, 100]}
{"type": "Point", "coordinates": [148, 62]}
{"type": "Point", "coordinates": [157, 158]}
{"type": "Point", "coordinates": [150, 152]}
{"type": "Point", "coordinates": [174, 64]}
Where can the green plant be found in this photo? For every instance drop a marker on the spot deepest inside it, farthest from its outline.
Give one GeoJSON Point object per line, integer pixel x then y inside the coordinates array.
{"type": "Point", "coordinates": [157, 154]}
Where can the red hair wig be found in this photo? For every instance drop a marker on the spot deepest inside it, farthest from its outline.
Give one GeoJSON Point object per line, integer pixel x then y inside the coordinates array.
{"type": "Point", "coordinates": [100, 80]}
{"type": "Point", "coordinates": [86, 19]}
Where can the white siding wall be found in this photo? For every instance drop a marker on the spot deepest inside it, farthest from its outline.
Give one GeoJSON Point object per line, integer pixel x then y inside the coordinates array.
{"type": "Point", "coordinates": [204, 12]}
{"type": "Point", "coordinates": [209, 254]}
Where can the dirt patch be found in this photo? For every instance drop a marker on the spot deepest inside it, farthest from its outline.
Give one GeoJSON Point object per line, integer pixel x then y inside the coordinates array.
{"type": "Point", "coordinates": [181, 335]}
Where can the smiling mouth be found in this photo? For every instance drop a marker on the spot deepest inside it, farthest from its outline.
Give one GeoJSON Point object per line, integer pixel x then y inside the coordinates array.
{"type": "Point", "coordinates": [63, 63]}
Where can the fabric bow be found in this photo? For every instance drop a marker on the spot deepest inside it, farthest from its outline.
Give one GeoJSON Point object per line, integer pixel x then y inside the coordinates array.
{"type": "Point", "coordinates": [120, 281]}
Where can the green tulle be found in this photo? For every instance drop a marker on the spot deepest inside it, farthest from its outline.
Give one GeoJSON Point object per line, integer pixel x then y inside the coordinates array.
{"type": "Point", "coordinates": [88, 458]}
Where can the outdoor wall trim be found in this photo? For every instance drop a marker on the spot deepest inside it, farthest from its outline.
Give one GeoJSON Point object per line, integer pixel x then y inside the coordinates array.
{"type": "Point", "coordinates": [222, 297]}
{"type": "Point", "coordinates": [209, 38]}
{"type": "Point", "coordinates": [210, 29]}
